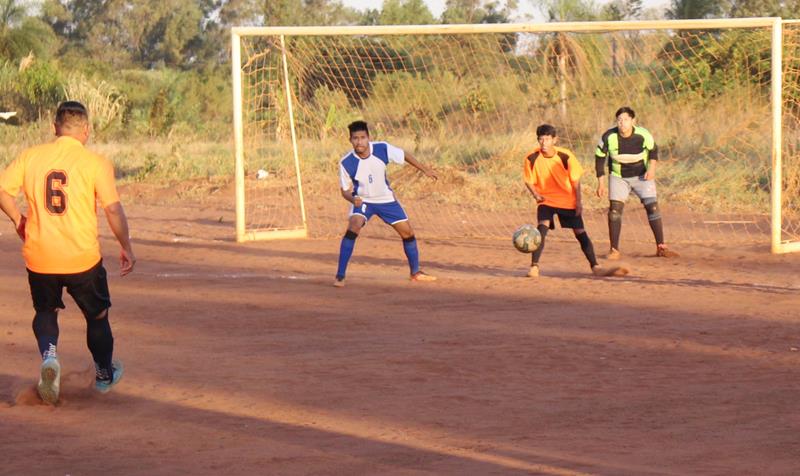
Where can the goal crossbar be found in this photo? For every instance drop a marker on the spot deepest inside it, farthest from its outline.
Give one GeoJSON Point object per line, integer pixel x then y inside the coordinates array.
{"type": "Point", "coordinates": [595, 26]}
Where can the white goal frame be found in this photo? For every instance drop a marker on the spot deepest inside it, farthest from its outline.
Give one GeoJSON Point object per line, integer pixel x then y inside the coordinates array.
{"type": "Point", "coordinates": [242, 234]}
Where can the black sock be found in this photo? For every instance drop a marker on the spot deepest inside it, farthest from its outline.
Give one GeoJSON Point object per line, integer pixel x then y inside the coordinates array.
{"type": "Point", "coordinates": [587, 248]}
{"type": "Point", "coordinates": [536, 254]}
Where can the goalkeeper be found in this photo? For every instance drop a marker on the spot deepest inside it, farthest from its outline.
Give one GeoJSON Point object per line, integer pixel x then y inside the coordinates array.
{"type": "Point", "coordinates": [632, 157]}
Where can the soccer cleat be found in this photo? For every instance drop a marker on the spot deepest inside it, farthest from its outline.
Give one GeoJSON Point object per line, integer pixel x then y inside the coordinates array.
{"type": "Point", "coordinates": [611, 271]}
{"type": "Point", "coordinates": [533, 272]}
{"type": "Point", "coordinates": [420, 276]}
{"type": "Point", "coordinates": [614, 254]}
{"type": "Point", "coordinates": [663, 252]}
{"type": "Point", "coordinates": [49, 377]}
{"type": "Point", "coordinates": [102, 382]}
{"type": "Point", "coordinates": [338, 283]}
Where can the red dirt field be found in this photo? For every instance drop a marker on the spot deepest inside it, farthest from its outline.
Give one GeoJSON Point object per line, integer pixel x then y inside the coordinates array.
{"type": "Point", "coordinates": [244, 359]}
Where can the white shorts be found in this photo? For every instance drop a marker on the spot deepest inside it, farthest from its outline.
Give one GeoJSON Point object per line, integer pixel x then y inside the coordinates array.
{"type": "Point", "coordinates": [620, 187]}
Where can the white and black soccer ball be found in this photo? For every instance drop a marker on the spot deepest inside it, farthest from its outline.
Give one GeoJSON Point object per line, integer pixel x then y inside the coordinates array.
{"type": "Point", "coordinates": [527, 239]}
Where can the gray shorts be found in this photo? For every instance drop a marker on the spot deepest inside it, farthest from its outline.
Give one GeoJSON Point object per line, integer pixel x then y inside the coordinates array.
{"type": "Point", "coordinates": [620, 187]}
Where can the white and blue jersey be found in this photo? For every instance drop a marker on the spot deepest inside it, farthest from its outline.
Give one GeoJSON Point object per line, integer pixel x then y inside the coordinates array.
{"type": "Point", "coordinates": [367, 176]}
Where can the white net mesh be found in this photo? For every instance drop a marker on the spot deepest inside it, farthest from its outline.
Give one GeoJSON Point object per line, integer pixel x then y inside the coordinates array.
{"type": "Point", "coordinates": [468, 104]}
{"type": "Point", "coordinates": [790, 208]}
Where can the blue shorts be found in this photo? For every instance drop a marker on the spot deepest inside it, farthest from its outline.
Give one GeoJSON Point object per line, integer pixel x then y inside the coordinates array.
{"type": "Point", "coordinates": [390, 213]}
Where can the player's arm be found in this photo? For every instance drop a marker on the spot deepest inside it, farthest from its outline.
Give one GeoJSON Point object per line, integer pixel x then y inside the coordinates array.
{"type": "Point", "coordinates": [351, 197]}
{"type": "Point", "coordinates": [106, 192]}
{"type": "Point", "coordinates": [11, 180]}
{"type": "Point", "coordinates": [600, 156]}
{"type": "Point", "coordinates": [118, 223]}
{"type": "Point", "coordinates": [346, 187]}
{"type": "Point", "coordinates": [576, 186]}
{"type": "Point", "coordinates": [652, 164]}
{"type": "Point", "coordinates": [429, 172]}
{"type": "Point", "coordinates": [536, 195]}
{"type": "Point", "coordinates": [529, 178]}
{"type": "Point", "coordinates": [9, 207]}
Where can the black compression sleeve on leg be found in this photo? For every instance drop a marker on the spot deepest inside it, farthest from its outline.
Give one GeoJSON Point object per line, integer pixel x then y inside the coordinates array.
{"type": "Point", "coordinates": [351, 235]}
{"type": "Point", "coordinates": [615, 222]}
{"type": "Point", "coordinates": [45, 329]}
{"type": "Point", "coordinates": [536, 254]}
{"type": "Point", "coordinates": [100, 340]}
{"type": "Point", "coordinates": [654, 218]}
{"type": "Point", "coordinates": [587, 248]}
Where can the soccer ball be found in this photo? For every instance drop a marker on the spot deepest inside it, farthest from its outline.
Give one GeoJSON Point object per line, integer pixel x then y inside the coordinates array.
{"type": "Point", "coordinates": [527, 239]}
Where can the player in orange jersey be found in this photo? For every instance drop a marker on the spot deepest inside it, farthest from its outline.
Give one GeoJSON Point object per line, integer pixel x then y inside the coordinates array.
{"type": "Point", "coordinates": [553, 176]}
{"type": "Point", "coordinates": [62, 182]}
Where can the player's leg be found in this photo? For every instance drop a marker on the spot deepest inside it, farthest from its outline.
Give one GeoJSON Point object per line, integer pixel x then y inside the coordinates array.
{"type": "Point", "coordinates": [393, 214]}
{"type": "Point", "coordinates": [569, 219]}
{"type": "Point", "coordinates": [586, 244]}
{"type": "Point", "coordinates": [89, 289]}
{"type": "Point", "coordinates": [355, 223]}
{"type": "Point", "coordinates": [544, 219]}
{"type": "Point", "coordinates": [618, 191]}
{"type": "Point", "coordinates": [46, 290]}
{"type": "Point", "coordinates": [588, 251]}
{"type": "Point", "coordinates": [646, 191]}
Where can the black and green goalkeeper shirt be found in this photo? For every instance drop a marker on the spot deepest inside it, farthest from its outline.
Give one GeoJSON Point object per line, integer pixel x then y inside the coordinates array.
{"type": "Point", "coordinates": [627, 156]}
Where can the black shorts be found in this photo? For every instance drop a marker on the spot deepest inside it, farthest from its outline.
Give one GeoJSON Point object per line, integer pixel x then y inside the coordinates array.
{"type": "Point", "coordinates": [566, 216]}
{"type": "Point", "coordinates": [89, 289]}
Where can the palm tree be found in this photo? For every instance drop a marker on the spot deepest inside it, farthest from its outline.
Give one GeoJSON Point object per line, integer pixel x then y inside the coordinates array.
{"type": "Point", "coordinates": [568, 54]}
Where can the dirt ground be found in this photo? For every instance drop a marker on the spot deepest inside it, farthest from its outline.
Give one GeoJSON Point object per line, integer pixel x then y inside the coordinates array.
{"type": "Point", "coordinates": [244, 359]}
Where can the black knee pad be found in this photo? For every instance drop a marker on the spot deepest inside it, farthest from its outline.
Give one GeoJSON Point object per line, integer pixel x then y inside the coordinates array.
{"type": "Point", "coordinates": [615, 210]}
{"type": "Point", "coordinates": [653, 213]}
{"type": "Point", "coordinates": [351, 235]}
{"type": "Point", "coordinates": [410, 239]}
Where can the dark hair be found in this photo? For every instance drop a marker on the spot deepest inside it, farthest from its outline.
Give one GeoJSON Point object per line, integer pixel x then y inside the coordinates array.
{"type": "Point", "coordinates": [71, 113]}
{"type": "Point", "coordinates": [625, 110]}
{"type": "Point", "coordinates": [546, 130]}
{"type": "Point", "coordinates": [356, 126]}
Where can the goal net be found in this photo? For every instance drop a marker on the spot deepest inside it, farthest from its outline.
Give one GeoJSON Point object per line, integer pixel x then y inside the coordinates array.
{"type": "Point", "coordinates": [466, 99]}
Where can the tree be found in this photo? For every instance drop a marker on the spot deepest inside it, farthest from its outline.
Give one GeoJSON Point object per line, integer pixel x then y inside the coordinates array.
{"type": "Point", "coordinates": [619, 10]}
{"type": "Point", "coordinates": [478, 11]}
{"type": "Point", "coordinates": [21, 34]}
{"type": "Point", "coordinates": [122, 32]}
{"type": "Point", "coordinates": [695, 9]}
{"type": "Point", "coordinates": [764, 8]}
{"type": "Point", "coordinates": [405, 12]}
{"type": "Point", "coordinates": [569, 56]}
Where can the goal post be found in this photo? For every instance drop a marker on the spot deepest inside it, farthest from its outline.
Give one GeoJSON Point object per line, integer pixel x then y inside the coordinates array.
{"type": "Point", "coordinates": [467, 98]}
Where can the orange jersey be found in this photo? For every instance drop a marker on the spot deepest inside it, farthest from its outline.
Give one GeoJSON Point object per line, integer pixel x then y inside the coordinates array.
{"type": "Point", "coordinates": [554, 177]}
{"type": "Point", "coordinates": [62, 182]}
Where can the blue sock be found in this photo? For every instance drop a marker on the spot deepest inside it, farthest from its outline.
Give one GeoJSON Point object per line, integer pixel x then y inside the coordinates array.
{"type": "Point", "coordinates": [345, 252]}
{"type": "Point", "coordinates": [412, 253]}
